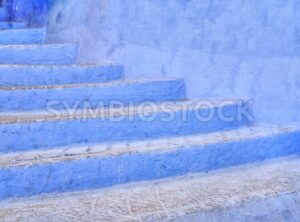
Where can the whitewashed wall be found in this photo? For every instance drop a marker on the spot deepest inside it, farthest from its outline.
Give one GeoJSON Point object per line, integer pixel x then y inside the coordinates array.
{"type": "Point", "coordinates": [222, 48]}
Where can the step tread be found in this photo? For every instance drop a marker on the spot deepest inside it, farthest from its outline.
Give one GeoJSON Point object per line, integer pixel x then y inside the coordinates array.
{"type": "Point", "coordinates": [70, 153]}
{"type": "Point", "coordinates": [7, 25]}
{"type": "Point", "coordinates": [46, 66]}
{"type": "Point", "coordinates": [164, 199]}
{"type": "Point", "coordinates": [28, 46]}
{"type": "Point", "coordinates": [106, 112]}
{"type": "Point", "coordinates": [87, 85]}
{"type": "Point", "coordinates": [22, 30]}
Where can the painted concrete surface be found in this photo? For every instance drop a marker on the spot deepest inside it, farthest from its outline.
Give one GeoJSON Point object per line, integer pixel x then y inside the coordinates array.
{"type": "Point", "coordinates": [283, 207]}
{"type": "Point", "coordinates": [47, 54]}
{"type": "Point", "coordinates": [62, 97]}
{"type": "Point", "coordinates": [63, 171]}
{"type": "Point", "coordinates": [12, 25]}
{"type": "Point", "coordinates": [235, 48]}
{"type": "Point", "coordinates": [274, 186]}
{"type": "Point", "coordinates": [34, 131]}
{"type": "Point", "coordinates": [22, 36]}
{"type": "Point", "coordinates": [3, 14]}
{"type": "Point", "coordinates": [42, 75]}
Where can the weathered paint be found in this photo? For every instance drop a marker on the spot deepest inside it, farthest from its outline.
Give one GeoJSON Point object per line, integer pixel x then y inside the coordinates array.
{"type": "Point", "coordinates": [67, 96]}
{"type": "Point", "coordinates": [12, 25]}
{"type": "Point", "coordinates": [42, 75]}
{"type": "Point", "coordinates": [3, 14]}
{"type": "Point", "coordinates": [267, 191]}
{"type": "Point", "coordinates": [232, 48]}
{"type": "Point", "coordinates": [32, 12]}
{"type": "Point", "coordinates": [90, 173]}
{"type": "Point", "coordinates": [84, 128]}
{"type": "Point", "coordinates": [22, 36]}
{"type": "Point", "coordinates": [47, 54]}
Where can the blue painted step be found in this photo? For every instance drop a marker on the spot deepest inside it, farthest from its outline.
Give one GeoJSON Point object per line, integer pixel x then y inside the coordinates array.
{"type": "Point", "coordinates": [12, 25]}
{"type": "Point", "coordinates": [39, 98]}
{"type": "Point", "coordinates": [80, 168]}
{"type": "Point", "coordinates": [40, 75]}
{"type": "Point", "coordinates": [26, 131]}
{"type": "Point", "coordinates": [3, 14]}
{"type": "Point", "coordinates": [48, 54]}
{"type": "Point", "coordinates": [22, 36]}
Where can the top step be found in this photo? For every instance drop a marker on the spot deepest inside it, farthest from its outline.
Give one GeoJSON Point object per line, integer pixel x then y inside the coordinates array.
{"type": "Point", "coordinates": [22, 36]}
{"type": "Point", "coordinates": [3, 14]}
{"type": "Point", "coordinates": [12, 25]}
{"type": "Point", "coordinates": [40, 54]}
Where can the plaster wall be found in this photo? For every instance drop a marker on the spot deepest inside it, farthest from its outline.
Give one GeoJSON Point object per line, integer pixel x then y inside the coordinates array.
{"type": "Point", "coordinates": [232, 48]}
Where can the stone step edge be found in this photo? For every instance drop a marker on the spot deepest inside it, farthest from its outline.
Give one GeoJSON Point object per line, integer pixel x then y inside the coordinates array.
{"type": "Point", "coordinates": [115, 83]}
{"type": "Point", "coordinates": [164, 199]}
{"type": "Point", "coordinates": [44, 66]}
{"type": "Point", "coordinates": [22, 30]}
{"type": "Point", "coordinates": [116, 112]}
{"type": "Point", "coordinates": [61, 154]}
{"type": "Point", "coordinates": [43, 45]}
{"type": "Point", "coordinates": [12, 22]}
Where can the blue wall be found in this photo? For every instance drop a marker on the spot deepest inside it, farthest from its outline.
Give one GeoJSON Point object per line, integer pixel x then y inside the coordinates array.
{"type": "Point", "coordinates": [222, 48]}
{"type": "Point", "coordinates": [34, 12]}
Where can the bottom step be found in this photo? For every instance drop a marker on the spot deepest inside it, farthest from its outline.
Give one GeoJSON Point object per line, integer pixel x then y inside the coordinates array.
{"type": "Point", "coordinates": [267, 191]}
{"type": "Point", "coordinates": [88, 167]}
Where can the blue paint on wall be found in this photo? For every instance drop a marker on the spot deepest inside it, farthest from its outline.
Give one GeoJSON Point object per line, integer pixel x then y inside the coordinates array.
{"type": "Point", "coordinates": [233, 48]}
{"type": "Point", "coordinates": [34, 12]}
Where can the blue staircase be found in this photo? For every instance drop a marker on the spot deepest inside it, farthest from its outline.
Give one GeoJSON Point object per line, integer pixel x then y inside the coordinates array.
{"type": "Point", "coordinates": [69, 127]}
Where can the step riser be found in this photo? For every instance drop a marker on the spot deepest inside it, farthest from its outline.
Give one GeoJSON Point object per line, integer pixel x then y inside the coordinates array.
{"type": "Point", "coordinates": [3, 14]}
{"type": "Point", "coordinates": [40, 99]}
{"type": "Point", "coordinates": [39, 135]}
{"type": "Point", "coordinates": [22, 36]}
{"type": "Point", "coordinates": [64, 54]}
{"type": "Point", "coordinates": [57, 75]}
{"type": "Point", "coordinates": [12, 25]}
{"type": "Point", "coordinates": [104, 172]}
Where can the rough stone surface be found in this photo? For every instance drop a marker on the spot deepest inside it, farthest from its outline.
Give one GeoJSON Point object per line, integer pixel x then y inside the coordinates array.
{"type": "Point", "coordinates": [87, 167]}
{"type": "Point", "coordinates": [22, 36]}
{"type": "Point", "coordinates": [232, 48]}
{"type": "Point", "coordinates": [12, 25]}
{"type": "Point", "coordinates": [204, 196]}
{"type": "Point", "coordinates": [26, 131]}
{"type": "Point", "coordinates": [42, 75]}
{"type": "Point", "coordinates": [62, 97]}
{"type": "Point", "coordinates": [47, 54]}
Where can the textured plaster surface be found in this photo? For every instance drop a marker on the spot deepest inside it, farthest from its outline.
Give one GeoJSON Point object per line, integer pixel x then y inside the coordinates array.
{"type": "Point", "coordinates": [3, 14]}
{"type": "Point", "coordinates": [253, 193]}
{"type": "Point", "coordinates": [231, 48]}
{"type": "Point", "coordinates": [12, 25]}
{"type": "Point", "coordinates": [28, 130]}
{"type": "Point", "coordinates": [22, 36]}
{"type": "Point", "coordinates": [87, 167]}
{"type": "Point", "coordinates": [61, 97]}
{"type": "Point", "coordinates": [47, 54]}
{"type": "Point", "coordinates": [41, 75]}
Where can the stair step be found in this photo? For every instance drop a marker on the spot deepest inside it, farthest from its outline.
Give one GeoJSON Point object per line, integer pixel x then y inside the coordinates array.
{"type": "Point", "coordinates": [96, 166]}
{"type": "Point", "coordinates": [48, 54]}
{"type": "Point", "coordinates": [198, 196]}
{"type": "Point", "coordinates": [26, 131]}
{"type": "Point", "coordinates": [41, 75]}
{"type": "Point", "coordinates": [22, 36]}
{"type": "Point", "coordinates": [58, 96]}
{"type": "Point", "coordinates": [12, 25]}
{"type": "Point", "coordinates": [3, 14]}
